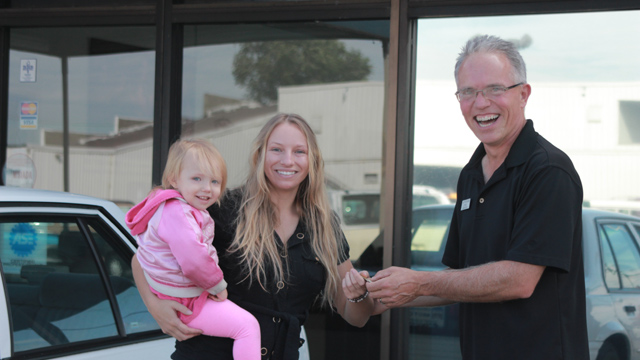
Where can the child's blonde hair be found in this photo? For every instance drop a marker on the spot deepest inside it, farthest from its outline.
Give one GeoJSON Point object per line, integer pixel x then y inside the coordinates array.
{"type": "Point", "coordinates": [207, 157]}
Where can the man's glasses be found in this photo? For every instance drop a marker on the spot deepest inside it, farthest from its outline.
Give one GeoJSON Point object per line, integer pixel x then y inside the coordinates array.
{"type": "Point", "coordinates": [490, 92]}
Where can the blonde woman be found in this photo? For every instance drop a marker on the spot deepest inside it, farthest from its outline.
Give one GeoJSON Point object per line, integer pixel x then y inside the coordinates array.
{"type": "Point", "coordinates": [280, 248]}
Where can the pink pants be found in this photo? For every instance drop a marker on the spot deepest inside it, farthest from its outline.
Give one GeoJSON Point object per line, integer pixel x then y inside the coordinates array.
{"type": "Point", "coordinates": [223, 319]}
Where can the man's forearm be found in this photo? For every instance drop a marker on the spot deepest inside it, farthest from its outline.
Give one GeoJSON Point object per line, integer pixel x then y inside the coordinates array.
{"type": "Point", "coordinates": [493, 282]}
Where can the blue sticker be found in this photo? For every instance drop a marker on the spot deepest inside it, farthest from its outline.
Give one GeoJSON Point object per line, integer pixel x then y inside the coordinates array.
{"type": "Point", "coordinates": [23, 239]}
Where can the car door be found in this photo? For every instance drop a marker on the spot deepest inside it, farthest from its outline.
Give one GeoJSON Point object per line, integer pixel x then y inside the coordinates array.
{"type": "Point", "coordinates": [621, 254]}
{"type": "Point", "coordinates": [69, 286]}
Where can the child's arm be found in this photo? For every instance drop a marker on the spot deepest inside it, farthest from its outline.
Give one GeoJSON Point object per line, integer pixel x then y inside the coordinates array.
{"type": "Point", "coordinates": [163, 311]}
{"type": "Point", "coordinates": [180, 228]}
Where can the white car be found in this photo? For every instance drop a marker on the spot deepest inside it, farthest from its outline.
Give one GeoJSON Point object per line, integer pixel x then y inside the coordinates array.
{"type": "Point", "coordinates": [359, 213]}
{"type": "Point", "coordinates": [611, 249]}
{"type": "Point", "coordinates": [67, 290]}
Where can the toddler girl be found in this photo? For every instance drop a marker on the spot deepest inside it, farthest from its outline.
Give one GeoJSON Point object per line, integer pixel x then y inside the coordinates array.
{"type": "Point", "coordinates": [175, 234]}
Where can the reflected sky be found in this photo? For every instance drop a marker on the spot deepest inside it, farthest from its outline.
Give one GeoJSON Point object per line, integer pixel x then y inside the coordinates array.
{"type": "Point", "coordinates": [598, 46]}
{"type": "Point", "coordinates": [581, 68]}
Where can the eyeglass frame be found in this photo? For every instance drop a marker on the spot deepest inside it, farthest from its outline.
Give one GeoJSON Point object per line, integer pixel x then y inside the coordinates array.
{"type": "Point", "coordinates": [475, 96]}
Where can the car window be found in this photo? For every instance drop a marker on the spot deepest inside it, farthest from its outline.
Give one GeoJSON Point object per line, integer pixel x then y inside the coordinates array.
{"type": "Point", "coordinates": [609, 268]}
{"type": "Point", "coordinates": [56, 290]}
{"type": "Point", "coordinates": [429, 235]}
{"type": "Point", "coordinates": [421, 200]}
{"type": "Point", "coordinates": [626, 254]}
{"type": "Point", "coordinates": [361, 209]}
{"type": "Point", "coordinates": [116, 259]}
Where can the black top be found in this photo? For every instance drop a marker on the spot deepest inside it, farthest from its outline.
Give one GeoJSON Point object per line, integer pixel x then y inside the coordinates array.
{"type": "Point", "coordinates": [530, 211]}
{"type": "Point", "coordinates": [280, 308]}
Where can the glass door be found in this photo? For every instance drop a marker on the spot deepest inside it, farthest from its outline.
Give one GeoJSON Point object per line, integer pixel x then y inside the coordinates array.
{"type": "Point", "coordinates": [80, 110]}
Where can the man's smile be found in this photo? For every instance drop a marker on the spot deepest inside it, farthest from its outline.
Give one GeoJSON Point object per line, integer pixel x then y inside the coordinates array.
{"type": "Point", "coordinates": [486, 120]}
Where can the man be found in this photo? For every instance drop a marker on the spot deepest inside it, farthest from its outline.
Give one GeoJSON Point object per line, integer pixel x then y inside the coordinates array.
{"type": "Point", "coordinates": [514, 249]}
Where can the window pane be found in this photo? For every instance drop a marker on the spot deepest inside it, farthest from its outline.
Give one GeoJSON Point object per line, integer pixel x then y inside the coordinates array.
{"type": "Point", "coordinates": [627, 256]}
{"type": "Point", "coordinates": [273, 1]}
{"type": "Point", "coordinates": [236, 77]}
{"type": "Point", "coordinates": [584, 100]}
{"type": "Point", "coordinates": [85, 94]}
{"type": "Point", "coordinates": [117, 262]}
{"type": "Point", "coordinates": [29, 4]}
{"type": "Point", "coordinates": [609, 267]}
{"type": "Point", "coordinates": [55, 293]}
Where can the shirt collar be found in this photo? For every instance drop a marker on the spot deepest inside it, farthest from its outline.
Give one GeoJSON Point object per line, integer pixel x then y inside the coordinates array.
{"type": "Point", "coordinates": [523, 146]}
{"type": "Point", "coordinates": [519, 152]}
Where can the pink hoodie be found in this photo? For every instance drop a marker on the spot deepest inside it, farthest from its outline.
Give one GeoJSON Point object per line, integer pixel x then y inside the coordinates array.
{"type": "Point", "coordinates": [175, 245]}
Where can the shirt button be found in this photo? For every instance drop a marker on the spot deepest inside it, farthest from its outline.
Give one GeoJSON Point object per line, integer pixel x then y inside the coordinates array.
{"type": "Point", "coordinates": [280, 285]}
{"type": "Point", "coordinates": [481, 201]}
{"type": "Point", "coordinates": [264, 351]}
{"type": "Point", "coordinates": [300, 235]}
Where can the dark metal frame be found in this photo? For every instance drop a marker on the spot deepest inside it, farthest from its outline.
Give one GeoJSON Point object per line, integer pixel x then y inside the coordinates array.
{"type": "Point", "coordinates": [169, 17]}
{"type": "Point", "coordinates": [167, 125]}
{"type": "Point", "coordinates": [4, 96]}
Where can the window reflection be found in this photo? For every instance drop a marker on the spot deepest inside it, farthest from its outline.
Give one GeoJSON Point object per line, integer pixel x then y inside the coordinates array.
{"type": "Point", "coordinates": [584, 100]}
{"type": "Point", "coordinates": [626, 253]}
{"type": "Point", "coordinates": [236, 77]}
{"type": "Point", "coordinates": [80, 105]}
{"type": "Point", "coordinates": [55, 292]}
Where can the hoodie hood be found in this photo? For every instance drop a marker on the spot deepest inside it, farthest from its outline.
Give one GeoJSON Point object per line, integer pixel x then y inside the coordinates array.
{"type": "Point", "coordinates": [138, 216]}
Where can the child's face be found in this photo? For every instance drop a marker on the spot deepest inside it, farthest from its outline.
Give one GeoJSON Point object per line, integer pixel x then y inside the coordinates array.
{"type": "Point", "coordinates": [198, 189]}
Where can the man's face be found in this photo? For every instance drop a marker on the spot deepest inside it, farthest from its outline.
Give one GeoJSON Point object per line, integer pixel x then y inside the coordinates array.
{"type": "Point", "coordinates": [495, 120]}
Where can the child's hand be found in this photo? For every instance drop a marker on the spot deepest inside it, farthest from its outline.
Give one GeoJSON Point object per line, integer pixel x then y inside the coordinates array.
{"type": "Point", "coordinates": [221, 296]}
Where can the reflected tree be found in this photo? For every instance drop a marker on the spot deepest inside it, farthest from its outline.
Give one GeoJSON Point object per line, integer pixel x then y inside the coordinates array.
{"type": "Point", "coordinates": [262, 67]}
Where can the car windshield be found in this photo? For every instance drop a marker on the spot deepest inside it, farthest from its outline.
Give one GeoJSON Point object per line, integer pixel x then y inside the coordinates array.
{"type": "Point", "coordinates": [430, 228]}
{"type": "Point", "coordinates": [361, 209]}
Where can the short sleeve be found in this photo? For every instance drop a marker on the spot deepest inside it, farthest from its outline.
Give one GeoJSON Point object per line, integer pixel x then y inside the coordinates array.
{"type": "Point", "coordinates": [547, 217]}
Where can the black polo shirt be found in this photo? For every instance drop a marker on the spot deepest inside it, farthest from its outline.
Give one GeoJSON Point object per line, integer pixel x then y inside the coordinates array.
{"type": "Point", "coordinates": [280, 308]}
{"type": "Point", "coordinates": [530, 211]}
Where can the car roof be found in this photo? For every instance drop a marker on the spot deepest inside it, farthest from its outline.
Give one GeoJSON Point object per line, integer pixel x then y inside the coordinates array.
{"type": "Point", "coordinates": [587, 213]}
{"type": "Point", "coordinates": [591, 213]}
{"type": "Point", "coordinates": [437, 206]}
{"type": "Point", "coordinates": [16, 195]}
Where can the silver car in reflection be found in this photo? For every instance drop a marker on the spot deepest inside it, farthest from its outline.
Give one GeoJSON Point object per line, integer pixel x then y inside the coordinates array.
{"type": "Point", "coordinates": [612, 279]}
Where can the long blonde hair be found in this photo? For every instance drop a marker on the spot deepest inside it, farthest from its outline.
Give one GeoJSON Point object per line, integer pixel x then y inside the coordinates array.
{"type": "Point", "coordinates": [255, 240]}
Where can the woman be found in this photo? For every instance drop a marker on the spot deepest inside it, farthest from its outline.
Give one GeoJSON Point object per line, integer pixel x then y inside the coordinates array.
{"type": "Point", "coordinates": [280, 248]}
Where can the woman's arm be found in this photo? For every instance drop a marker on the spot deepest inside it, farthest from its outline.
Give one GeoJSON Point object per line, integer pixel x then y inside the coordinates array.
{"type": "Point", "coordinates": [353, 287]}
{"type": "Point", "coordinates": [163, 311]}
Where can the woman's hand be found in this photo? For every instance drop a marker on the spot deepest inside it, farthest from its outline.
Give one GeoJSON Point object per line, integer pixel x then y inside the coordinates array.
{"type": "Point", "coordinates": [163, 311]}
{"type": "Point", "coordinates": [356, 312]}
{"type": "Point", "coordinates": [353, 284]}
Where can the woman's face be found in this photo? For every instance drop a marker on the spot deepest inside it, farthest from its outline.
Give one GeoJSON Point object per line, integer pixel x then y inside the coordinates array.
{"type": "Point", "coordinates": [286, 162]}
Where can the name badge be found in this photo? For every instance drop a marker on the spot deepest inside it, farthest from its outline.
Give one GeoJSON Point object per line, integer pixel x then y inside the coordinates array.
{"type": "Point", "coordinates": [465, 204]}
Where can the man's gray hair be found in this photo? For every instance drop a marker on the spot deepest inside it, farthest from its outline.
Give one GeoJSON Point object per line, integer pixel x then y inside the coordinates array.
{"type": "Point", "coordinates": [494, 44]}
